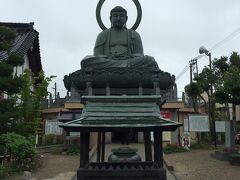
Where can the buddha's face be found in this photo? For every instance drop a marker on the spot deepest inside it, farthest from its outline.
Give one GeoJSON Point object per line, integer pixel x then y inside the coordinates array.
{"type": "Point", "coordinates": [118, 19]}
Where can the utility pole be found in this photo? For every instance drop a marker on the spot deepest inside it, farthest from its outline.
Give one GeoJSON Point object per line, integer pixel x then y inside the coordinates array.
{"type": "Point", "coordinates": [193, 65]}
{"type": "Point", "coordinates": [55, 93]}
{"type": "Point", "coordinates": [191, 69]}
{"type": "Point", "coordinates": [203, 50]}
{"type": "Point", "coordinates": [212, 103]}
{"type": "Point", "coordinates": [196, 63]}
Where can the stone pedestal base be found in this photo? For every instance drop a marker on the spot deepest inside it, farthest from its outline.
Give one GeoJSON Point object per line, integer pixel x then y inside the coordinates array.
{"type": "Point", "coordinates": [120, 171]}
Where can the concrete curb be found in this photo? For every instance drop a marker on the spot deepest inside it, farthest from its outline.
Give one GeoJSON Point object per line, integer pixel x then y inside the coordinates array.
{"type": "Point", "coordinates": [223, 156]}
{"type": "Point", "coordinates": [169, 167]}
{"type": "Point", "coordinates": [48, 149]}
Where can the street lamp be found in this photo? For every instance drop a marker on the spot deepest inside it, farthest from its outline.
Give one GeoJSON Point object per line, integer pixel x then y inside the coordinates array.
{"type": "Point", "coordinates": [203, 50]}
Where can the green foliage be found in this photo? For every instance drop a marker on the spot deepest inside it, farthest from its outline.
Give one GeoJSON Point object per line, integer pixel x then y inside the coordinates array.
{"type": "Point", "coordinates": [238, 128]}
{"type": "Point", "coordinates": [205, 79]}
{"type": "Point", "coordinates": [73, 150]}
{"type": "Point", "coordinates": [220, 115]}
{"type": "Point", "coordinates": [29, 112]}
{"type": "Point", "coordinates": [231, 85]}
{"type": "Point", "coordinates": [173, 148]}
{"type": "Point", "coordinates": [22, 149]}
{"type": "Point", "coordinates": [235, 59]}
{"type": "Point", "coordinates": [201, 146]}
{"type": "Point", "coordinates": [9, 83]}
{"type": "Point", "coordinates": [2, 150]}
{"type": "Point", "coordinates": [228, 91]}
{"type": "Point", "coordinates": [12, 85]}
{"type": "Point", "coordinates": [31, 102]}
{"type": "Point", "coordinates": [8, 116]}
{"type": "Point", "coordinates": [5, 69]}
{"type": "Point", "coordinates": [49, 139]}
{"type": "Point", "coordinates": [205, 138]}
{"type": "Point", "coordinates": [15, 60]}
{"type": "Point", "coordinates": [7, 35]}
{"type": "Point", "coordinates": [193, 91]}
{"type": "Point", "coordinates": [221, 96]}
{"type": "Point", "coordinates": [26, 108]}
{"type": "Point", "coordinates": [40, 93]}
{"type": "Point", "coordinates": [4, 171]}
{"type": "Point", "coordinates": [225, 79]}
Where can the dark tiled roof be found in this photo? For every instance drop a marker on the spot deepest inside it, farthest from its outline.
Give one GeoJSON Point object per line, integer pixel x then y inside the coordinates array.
{"type": "Point", "coordinates": [25, 43]}
{"type": "Point", "coordinates": [111, 112]}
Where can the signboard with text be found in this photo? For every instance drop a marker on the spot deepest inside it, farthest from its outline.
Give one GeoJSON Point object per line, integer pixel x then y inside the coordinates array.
{"type": "Point", "coordinates": [198, 123]}
{"type": "Point", "coordinates": [52, 127]}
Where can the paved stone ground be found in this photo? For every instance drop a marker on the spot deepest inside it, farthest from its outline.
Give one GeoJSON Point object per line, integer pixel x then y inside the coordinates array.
{"type": "Point", "coordinates": [54, 167]}
{"type": "Point", "coordinates": [200, 165]}
{"type": "Point", "coordinates": [61, 165]}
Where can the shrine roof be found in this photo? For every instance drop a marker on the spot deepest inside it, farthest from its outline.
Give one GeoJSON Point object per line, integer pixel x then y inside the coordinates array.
{"type": "Point", "coordinates": [113, 112]}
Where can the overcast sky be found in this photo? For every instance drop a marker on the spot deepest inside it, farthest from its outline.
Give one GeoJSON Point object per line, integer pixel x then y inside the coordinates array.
{"type": "Point", "coordinates": [172, 30]}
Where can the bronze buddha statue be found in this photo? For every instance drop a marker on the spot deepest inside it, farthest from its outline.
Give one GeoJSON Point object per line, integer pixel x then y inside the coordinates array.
{"type": "Point", "coordinates": [118, 60]}
{"type": "Point", "coordinates": [118, 46]}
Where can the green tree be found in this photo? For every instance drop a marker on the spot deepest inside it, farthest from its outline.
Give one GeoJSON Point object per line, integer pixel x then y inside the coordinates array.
{"type": "Point", "coordinates": [220, 66]}
{"type": "Point", "coordinates": [193, 91]}
{"type": "Point", "coordinates": [31, 101]}
{"type": "Point", "coordinates": [207, 79]}
{"type": "Point", "coordinates": [229, 90]}
{"type": "Point", "coordinates": [10, 84]}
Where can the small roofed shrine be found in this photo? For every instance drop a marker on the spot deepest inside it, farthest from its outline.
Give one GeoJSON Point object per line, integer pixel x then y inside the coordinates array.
{"type": "Point", "coordinates": [121, 113]}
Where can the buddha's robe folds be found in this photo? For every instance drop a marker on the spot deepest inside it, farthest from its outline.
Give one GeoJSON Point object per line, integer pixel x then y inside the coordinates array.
{"type": "Point", "coordinates": [118, 49]}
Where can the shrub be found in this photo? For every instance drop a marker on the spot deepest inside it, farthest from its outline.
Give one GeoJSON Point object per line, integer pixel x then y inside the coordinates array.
{"type": "Point", "coordinates": [22, 150]}
{"type": "Point", "coordinates": [49, 139]}
{"type": "Point", "coordinates": [173, 148]}
{"type": "Point", "coordinates": [59, 139]}
{"type": "Point", "coordinates": [4, 171]}
{"type": "Point", "coordinates": [73, 150]}
{"type": "Point", "coordinates": [201, 146]}
{"type": "Point", "coordinates": [2, 149]}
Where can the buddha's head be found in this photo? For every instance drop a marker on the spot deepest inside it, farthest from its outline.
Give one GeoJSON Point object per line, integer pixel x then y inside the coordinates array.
{"type": "Point", "coordinates": [118, 17]}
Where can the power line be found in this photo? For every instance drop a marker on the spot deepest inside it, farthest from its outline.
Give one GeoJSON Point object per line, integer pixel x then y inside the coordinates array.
{"type": "Point", "coordinates": [183, 71]}
{"type": "Point", "coordinates": [228, 38]}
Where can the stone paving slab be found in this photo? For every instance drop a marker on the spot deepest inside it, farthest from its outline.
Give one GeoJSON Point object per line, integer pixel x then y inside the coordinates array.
{"type": "Point", "coordinates": [200, 165]}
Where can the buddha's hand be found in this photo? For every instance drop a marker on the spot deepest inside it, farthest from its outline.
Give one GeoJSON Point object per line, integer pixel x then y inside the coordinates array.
{"type": "Point", "coordinates": [121, 56]}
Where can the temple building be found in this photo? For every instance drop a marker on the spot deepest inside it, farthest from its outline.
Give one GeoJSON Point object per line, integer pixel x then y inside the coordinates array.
{"type": "Point", "coordinates": [26, 44]}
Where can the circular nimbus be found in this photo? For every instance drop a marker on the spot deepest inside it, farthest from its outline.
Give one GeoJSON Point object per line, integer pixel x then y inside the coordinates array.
{"type": "Point", "coordinates": [136, 24]}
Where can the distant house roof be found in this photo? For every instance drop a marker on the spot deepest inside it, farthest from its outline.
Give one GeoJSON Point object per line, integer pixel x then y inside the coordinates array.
{"type": "Point", "coordinates": [25, 43]}
{"type": "Point", "coordinates": [67, 116]}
